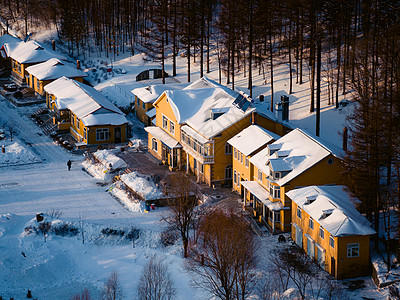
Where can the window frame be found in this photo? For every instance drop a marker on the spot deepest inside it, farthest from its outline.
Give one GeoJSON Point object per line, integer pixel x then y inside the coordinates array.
{"type": "Point", "coordinates": [154, 144]}
{"type": "Point", "coordinates": [298, 212]}
{"type": "Point", "coordinates": [351, 247]}
{"type": "Point", "coordinates": [228, 148]}
{"type": "Point", "coordinates": [321, 232]}
{"type": "Point", "coordinates": [332, 241]}
{"type": "Point", "coordinates": [259, 175]}
{"type": "Point", "coordinates": [171, 127]}
{"type": "Point", "coordinates": [311, 223]}
{"type": "Point", "coordinates": [100, 131]}
{"type": "Point", "coordinates": [246, 162]}
{"type": "Point", "coordinates": [164, 122]}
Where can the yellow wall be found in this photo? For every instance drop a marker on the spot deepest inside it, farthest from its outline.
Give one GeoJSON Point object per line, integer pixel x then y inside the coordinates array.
{"type": "Point", "coordinates": [271, 125]}
{"type": "Point", "coordinates": [164, 108]}
{"type": "Point", "coordinates": [240, 168]}
{"type": "Point", "coordinates": [345, 267]}
{"type": "Point", "coordinates": [141, 113]}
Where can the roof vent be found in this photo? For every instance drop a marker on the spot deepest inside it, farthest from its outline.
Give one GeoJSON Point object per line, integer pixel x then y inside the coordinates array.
{"type": "Point", "coordinates": [310, 199]}
{"type": "Point", "coordinates": [217, 112]}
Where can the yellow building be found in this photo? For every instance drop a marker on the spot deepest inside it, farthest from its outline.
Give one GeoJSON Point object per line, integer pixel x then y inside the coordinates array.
{"type": "Point", "coordinates": [146, 96]}
{"type": "Point", "coordinates": [193, 126]}
{"type": "Point", "coordinates": [42, 74]}
{"type": "Point", "coordinates": [297, 159]}
{"type": "Point", "coordinates": [85, 113]}
{"type": "Point", "coordinates": [244, 146]}
{"type": "Point", "coordinates": [328, 227]}
{"type": "Point", "coordinates": [25, 54]}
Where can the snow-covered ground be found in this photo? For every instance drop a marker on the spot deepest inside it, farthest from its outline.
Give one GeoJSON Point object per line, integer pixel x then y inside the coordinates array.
{"type": "Point", "coordinates": [63, 266]}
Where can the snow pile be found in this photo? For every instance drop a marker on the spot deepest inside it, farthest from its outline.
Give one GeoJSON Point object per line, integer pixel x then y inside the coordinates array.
{"type": "Point", "coordinates": [132, 205]}
{"type": "Point", "coordinates": [16, 154]}
{"type": "Point", "coordinates": [104, 164]}
{"type": "Point", "coordinates": [109, 160]}
{"type": "Point", "coordinates": [142, 186]}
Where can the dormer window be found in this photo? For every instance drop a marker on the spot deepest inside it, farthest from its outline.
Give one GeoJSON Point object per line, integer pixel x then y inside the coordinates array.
{"type": "Point", "coordinates": [326, 212]}
{"type": "Point", "coordinates": [273, 148]}
{"type": "Point", "coordinates": [277, 175]}
{"type": "Point", "coordinates": [310, 199]}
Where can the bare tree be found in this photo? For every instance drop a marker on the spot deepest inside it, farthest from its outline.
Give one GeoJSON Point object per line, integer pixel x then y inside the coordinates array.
{"type": "Point", "coordinates": [84, 296]}
{"type": "Point", "coordinates": [112, 289]}
{"type": "Point", "coordinates": [269, 289]}
{"type": "Point", "coordinates": [44, 228]}
{"type": "Point", "coordinates": [82, 226]}
{"type": "Point", "coordinates": [224, 256]}
{"type": "Point", "coordinates": [155, 282]}
{"type": "Point", "coordinates": [181, 216]}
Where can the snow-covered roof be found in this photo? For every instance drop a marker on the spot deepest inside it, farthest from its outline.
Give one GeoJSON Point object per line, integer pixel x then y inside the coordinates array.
{"type": "Point", "coordinates": [145, 188]}
{"type": "Point", "coordinates": [194, 107]}
{"type": "Point", "coordinates": [149, 94]}
{"type": "Point", "coordinates": [333, 208]}
{"type": "Point", "coordinates": [162, 136]}
{"type": "Point", "coordinates": [53, 69]}
{"type": "Point", "coordinates": [106, 157]}
{"type": "Point", "coordinates": [252, 138]}
{"type": "Point", "coordinates": [151, 112]}
{"type": "Point", "coordinates": [86, 102]}
{"type": "Point", "coordinates": [295, 152]}
{"type": "Point", "coordinates": [32, 52]}
{"type": "Point", "coordinates": [7, 44]}
{"type": "Point", "coordinates": [205, 82]}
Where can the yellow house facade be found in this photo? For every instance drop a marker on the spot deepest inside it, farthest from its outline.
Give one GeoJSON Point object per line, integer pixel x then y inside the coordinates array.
{"type": "Point", "coordinates": [297, 159]}
{"type": "Point", "coordinates": [192, 129]}
{"type": "Point", "coordinates": [85, 113]}
{"type": "Point", "coordinates": [243, 147]}
{"type": "Point", "coordinates": [41, 74]}
{"type": "Point", "coordinates": [328, 227]}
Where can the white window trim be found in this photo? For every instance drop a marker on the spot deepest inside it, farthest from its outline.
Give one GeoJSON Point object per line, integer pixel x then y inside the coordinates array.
{"type": "Point", "coordinates": [154, 142]}
{"type": "Point", "coordinates": [353, 244]}
{"type": "Point", "coordinates": [332, 238]}
{"type": "Point", "coordinates": [166, 123]}
{"type": "Point", "coordinates": [103, 130]}
{"type": "Point", "coordinates": [321, 229]}
{"type": "Point", "coordinates": [171, 126]}
{"type": "Point", "coordinates": [229, 148]}
{"type": "Point", "coordinates": [311, 221]}
{"type": "Point", "coordinates": [299, 213]}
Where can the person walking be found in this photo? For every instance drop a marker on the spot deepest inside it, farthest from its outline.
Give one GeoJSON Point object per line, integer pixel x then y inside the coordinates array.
{"type": "Point", "coordinates": [69, 164]}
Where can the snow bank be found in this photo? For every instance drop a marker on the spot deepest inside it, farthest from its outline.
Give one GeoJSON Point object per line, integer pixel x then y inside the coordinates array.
{"type": "Point", "coordinates": [132, 205]}
{"type": "Point", "coordinates": [109, 160]}
{"type": "Point", "coordinates": [142, 186]}
{"type": "Point", "coordinates": [16, 154]}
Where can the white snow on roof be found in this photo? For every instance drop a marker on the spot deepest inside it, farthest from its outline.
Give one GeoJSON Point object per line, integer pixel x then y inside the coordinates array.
{"type": "Point", "coordinates": [145, 188]}
{"type": "Point", "coordinates": [298, 150]}
{"type": "Point", "coordinates": [204, 83]}
{"type": "Point", "coordinates": [162, 136]}
{"type": "Point", "coordinates": [149, 94]}
{"type": "Point", "coordinates": [333, 208]}
{"type": "Point", "coordinates": [261, 194]}
{"type": "Point", "coordinates": [106, 157]}
{"type": "Point", "coordinates": [83, 101]}
{"type": "Point", "coordinates": [33, 52]}
{"type": "Point", "coordinates": [53, 69]}
{"type": "Point", "coordinates": [193, 107]}
{"type": "Point", "coordinates": [194, 134]}
{"type": "Point", "coordinates": [6, 38]}
{"type": "Point", "coordinates": [252, 138]}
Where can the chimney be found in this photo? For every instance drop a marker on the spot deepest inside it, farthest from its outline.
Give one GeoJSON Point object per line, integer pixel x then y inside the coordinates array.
{"type": "Point", "coordinates": [345, 138]}
{"type": "Point", "coordinates": [78, 64]}
{"type": "Point", "coordinates": [53, 43]}
{"type": "Point", "coordinates": [278, 111]}
{"type": "Point", "coordinates": [285, 108]}
{"type": "Point", "coordinates": [253, 118]}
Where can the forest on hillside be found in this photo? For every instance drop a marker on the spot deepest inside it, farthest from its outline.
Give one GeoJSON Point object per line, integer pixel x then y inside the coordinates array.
{"type": "Point", "coordinates": [353, 44]}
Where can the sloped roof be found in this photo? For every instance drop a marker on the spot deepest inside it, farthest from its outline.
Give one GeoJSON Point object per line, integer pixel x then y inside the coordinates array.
{"type": "Point", "coordinates": [83, 101]}
{"type": "Point", "coordinates": [252, 138]}
{"type": "Point", "coordinates": [53, 69]}
{"type": "Point", "coordinates": [193, 107]}
{"type": "Point", "coordinates": [343, 218]}
{"type": "Point", "coordinates": [8, 39]}
{"type": "Point", "coordinates": [149, 94]}
{"type": "Point", "coordinates": [298, 151]}
{"type": "Point", "coordinates": [32, 52]}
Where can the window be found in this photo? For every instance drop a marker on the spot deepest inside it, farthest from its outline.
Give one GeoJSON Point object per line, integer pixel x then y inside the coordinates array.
{"type": "Point", "coordinates": [277, 215]}
{"type": "Point", "coordinates": [311, 223]}
{"type": "Point", "coordinates": [154, 144]}
{"type": "Point", "coordinates": [165, 122]}
{"type": "Point", "coordinates": [172, 127]}
{"type": "Point", "coordinates": [259, 175]}
{"type": "Point", "coordinates": [241, 158]}
{"type": "Point", "coordinates": [78, 125]}
{"type": "Point", "coordinates": [201, 168]}
{"type": "Point", "coordinates": [228, 149]}
{"type": "Point", "coordinates": [353, 250]}
{"type": "Point", "coordinates": [144, 105]}
{"type": "Point", "coordinates": [321, 232]}
{"type": "Point", "coordinates": [85, 133]}
{"type": "Point", "coordinates": [299, 212]}
{"type": "Point", "coordinates": [277, 192]}
{"type": "Point", "coordinates": [246, 163]}
{"type": "Point", "coordinates": [332, 242]}
{"type": "Point", "coordinates": [228, 172]}
{"type": "Point", "coordinates": [235, 153]}
{"type": "Point", "coordinates": [73, 119]}
{"type": "Point", "coordinates": [277, 175]}
{"type": "Point", "coordinates": [102, 134]}
{"type": "Point", "coordinates": [234, 177]}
